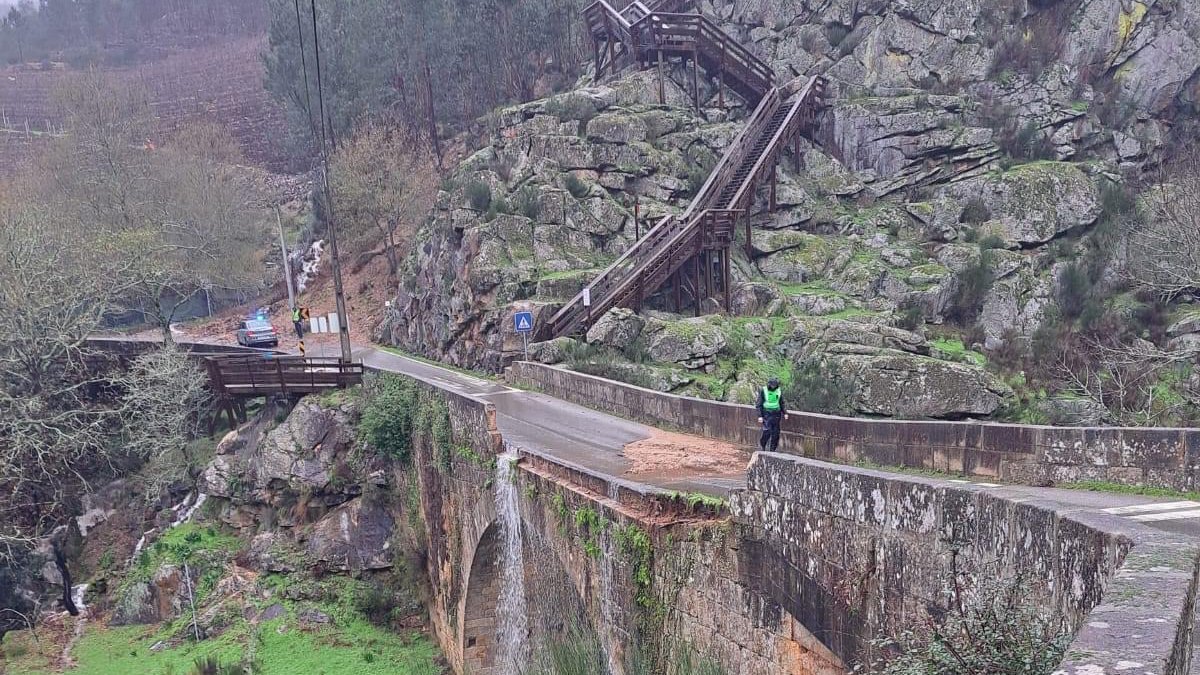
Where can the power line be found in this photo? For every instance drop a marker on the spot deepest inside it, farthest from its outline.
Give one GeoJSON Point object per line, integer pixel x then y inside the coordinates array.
{"type": "Point", "coordinates": [339, 295]}
{"type": "Point", "coordinates": [304, 68]}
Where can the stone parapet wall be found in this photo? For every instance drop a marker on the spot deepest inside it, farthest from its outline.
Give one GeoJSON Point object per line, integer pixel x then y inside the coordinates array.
{"type": "Point", "coordinates": [857, 555]}
{"type": "Point", "coordinates": [1160, 457]}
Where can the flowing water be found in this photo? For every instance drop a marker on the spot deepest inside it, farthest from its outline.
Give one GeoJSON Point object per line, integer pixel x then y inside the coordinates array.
{"type": "Point", "coordinates": [511, 619]}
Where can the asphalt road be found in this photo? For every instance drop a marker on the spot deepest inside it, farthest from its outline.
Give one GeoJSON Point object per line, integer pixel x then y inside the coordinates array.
{"type": "Point", "coordinates": [597, 440]}
{"type": "Point", "coordinates": [552, 426]}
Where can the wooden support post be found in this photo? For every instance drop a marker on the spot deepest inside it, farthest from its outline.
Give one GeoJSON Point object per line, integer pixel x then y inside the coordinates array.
{"type": "Point", "coordinates": [612, 55]}
{"type": "Point", "coordinates": [696, 286]}
{"type": "Point", "coordinates": [679, 291]}
{"type": "Point", "coordinates": [596, 56]}
{"type": "Point", "coordinates": [774, 187]}
{"type": "Point", "coordinates": [662, 91]}
{"type": "Point", "coordinates": [696, 77]}
{"type": "Point", "coordinates": [749, 242]}
{"type": "Point", "coordinates": [796, 151]}
{"type": "Point", "coordinates": [728, 286]}
{"type": "Point", "coordinates": [721, 79]}
{"type": "Point", "coordinates": [706, 263]}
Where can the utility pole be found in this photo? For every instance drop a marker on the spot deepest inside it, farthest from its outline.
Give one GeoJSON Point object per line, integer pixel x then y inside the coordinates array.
{"type": "Point", "coordinates": [339, 295]}
{"type": "Point", "coordinates": [287, 265]}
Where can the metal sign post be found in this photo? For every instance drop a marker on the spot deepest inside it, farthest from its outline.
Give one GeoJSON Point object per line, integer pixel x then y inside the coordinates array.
{"type": "Point", "coordinates": [523, 324]}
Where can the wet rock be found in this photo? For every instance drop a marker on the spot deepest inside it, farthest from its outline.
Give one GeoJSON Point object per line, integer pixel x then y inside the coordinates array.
{"type": "Point", "coordinates": [618, 328]}
{"type": "Point", "coordinates": [693, 343]}
{"type": "Point", "coordinates": [353, 537]}
{"type": "Point", "coordinates": [552, 351]}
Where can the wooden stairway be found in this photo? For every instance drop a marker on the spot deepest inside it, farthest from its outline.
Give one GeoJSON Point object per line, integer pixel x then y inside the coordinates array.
{"type": "Point", "coordinates": [647, 35]}
{"type": "Point", "coordinates": [703, 234]}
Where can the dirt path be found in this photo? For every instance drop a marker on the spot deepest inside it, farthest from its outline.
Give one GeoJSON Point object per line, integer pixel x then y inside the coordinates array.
{"type": "Point", "coordinates": [671, 454]}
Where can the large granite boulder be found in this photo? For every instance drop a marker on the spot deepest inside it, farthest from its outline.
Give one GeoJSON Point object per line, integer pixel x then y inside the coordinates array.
{"type": "Point", "coordinates": [897, 384]}
{"type": "Point", "coordinates": [1030, 204]}
{"type": "Point", "coordinates": [692, 343]}
{"type": "Point", "coordinates": [618, 328]}
{"type": "Point", "coordinates": [353, 537]}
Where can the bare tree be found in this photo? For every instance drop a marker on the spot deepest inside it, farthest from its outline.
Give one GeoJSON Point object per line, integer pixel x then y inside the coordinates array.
{"type": "Point", "coordinates": [1164, 242]}
{"type": "Point", "coordinates": [181, 214]}
{"type": "Point", "coordinates": [386, 182]}
{"type": "Point", "coordinates": [166, 399]}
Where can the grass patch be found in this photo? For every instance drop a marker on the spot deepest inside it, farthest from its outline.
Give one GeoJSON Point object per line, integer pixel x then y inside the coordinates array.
{"type": "Point", "coordinates": [955, 350]}
{"type": "Point", "coordinates": [1123, 489]}
{"type": "Point", "coordinates": [814, 288]}
{"type": "Point", "coordinates": [350, 644]}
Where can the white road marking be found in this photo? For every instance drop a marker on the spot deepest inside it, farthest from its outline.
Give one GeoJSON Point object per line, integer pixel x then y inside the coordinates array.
{"type": "Point", "coordinates": [988, 484]}
{"type": "Point", "coordinates": [1151, 508]}
{"type": "Point", "coordinates": [1173, 515]}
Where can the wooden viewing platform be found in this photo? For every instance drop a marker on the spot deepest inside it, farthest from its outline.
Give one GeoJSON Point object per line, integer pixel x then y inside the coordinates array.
{"type": "Point", "coordinates": [249, 376]}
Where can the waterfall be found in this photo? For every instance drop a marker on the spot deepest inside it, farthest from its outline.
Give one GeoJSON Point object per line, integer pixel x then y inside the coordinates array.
{"type": "Point", "coordinates": [511, 619]}
{"type": "Point", "coordinates": [608, 605]}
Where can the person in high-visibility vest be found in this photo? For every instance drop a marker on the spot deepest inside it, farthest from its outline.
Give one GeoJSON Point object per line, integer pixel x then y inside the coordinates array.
{"type": "Point", "coordinates": [771, 410]}
{"type": "Point", "coordinates": [297, 323]}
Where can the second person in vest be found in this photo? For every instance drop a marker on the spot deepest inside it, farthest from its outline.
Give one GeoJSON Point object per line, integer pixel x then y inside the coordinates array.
{"type": "Point", "coordinates": [771, 410]}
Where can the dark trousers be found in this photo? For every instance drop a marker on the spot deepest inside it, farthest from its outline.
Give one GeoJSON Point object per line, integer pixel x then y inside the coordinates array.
{"type": "Point", "coordinates": [770, 433]}
{"type": "Point", "coordinates": [299, 325]}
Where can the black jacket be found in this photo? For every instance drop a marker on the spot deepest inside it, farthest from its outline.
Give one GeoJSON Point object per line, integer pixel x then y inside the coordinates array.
{"type": "Point", "coordinates": [762, 411]}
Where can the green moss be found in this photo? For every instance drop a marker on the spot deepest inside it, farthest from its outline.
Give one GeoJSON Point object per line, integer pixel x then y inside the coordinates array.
{"type": "Point", "coordinates": [954, 350]}
{"type": "Point", "coordinates": [570, 274]}
{"type": "Point", "coordinates": [1121, 488]}
{"type": "Point", "coordinates": [811, 288]}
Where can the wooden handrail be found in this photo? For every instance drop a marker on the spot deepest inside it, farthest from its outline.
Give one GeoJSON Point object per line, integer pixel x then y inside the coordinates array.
{"type": "Point", "coordinates": [784, 131]}
{"type": "Point", "coordinates": [734, 155]}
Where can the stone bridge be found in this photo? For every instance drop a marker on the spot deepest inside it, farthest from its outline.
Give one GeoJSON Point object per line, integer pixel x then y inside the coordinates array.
{"type": "Point", "coordinates": [797, 573]}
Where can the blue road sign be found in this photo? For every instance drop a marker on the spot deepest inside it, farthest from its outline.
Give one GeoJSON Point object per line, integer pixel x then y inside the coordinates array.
{"type": "Point", "coordinates": [523, 322]}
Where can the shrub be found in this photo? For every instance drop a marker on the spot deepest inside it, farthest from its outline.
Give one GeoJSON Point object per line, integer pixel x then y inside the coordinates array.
{"type": "Point", "coordinates": [992, 242]}
{"type": "Point", "coordinates": [388, 414]}
{"type": "Point", "coordinates": [1026, 143]}
{"type": "Point", "coordinates": [575, 186]}
{"type": "Point", "coordinates": [912, 317]}
{"type": "Point", "coordinates": [974, 282]}
{"type": "Point", "coordinates": [836, 33]}
{"type": "Point", "coordinates": [818, 386]}
{"type": "Point", "coordinates": [1074, 290]}
{"type": "Point", "coordinates": [975, 212]}
{"type": "Point", "coordinates": [1002, 632]}
{"type": "Point", "coordinates": [479, 195]}
{"type": "Point", "coordinates": [528, 203]}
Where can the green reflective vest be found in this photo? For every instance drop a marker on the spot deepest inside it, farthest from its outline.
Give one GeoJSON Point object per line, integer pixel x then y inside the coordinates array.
{"type": "Point", "coordinates": [295, 315]}
{"type": "Point", "coordinates": [771, 399]}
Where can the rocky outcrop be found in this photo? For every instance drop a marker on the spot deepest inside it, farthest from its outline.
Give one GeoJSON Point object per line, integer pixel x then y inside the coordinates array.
{"type": "Point", "coordinates": [551, 194]}
{"type": "Point", "coordinates": [954, 134]}
{"type": "Point", "coordinates": [353, 537]}
{"type": "Point", "coordinates": [1028, 205]}
{"type": "Point", "coordinates": [911, 386]}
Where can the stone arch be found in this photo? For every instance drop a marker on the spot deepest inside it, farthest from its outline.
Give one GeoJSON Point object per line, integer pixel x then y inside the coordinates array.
{"type": "Point", "coordinates": [554, 604]}
{"type": "Point", "coordinates": [480, 602]}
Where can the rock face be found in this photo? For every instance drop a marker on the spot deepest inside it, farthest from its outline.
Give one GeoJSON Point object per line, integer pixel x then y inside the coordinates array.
{"type": "Point", "coordinates": [354, 536]}
{"type": "Point", "coordinates": [912, 387]}
{"type": "Point", "coordinates": [967, 154]}
{"type": "Point", "coordinates": [550, 195]}
{"type": "Point", "coordinates": [304, 479]}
